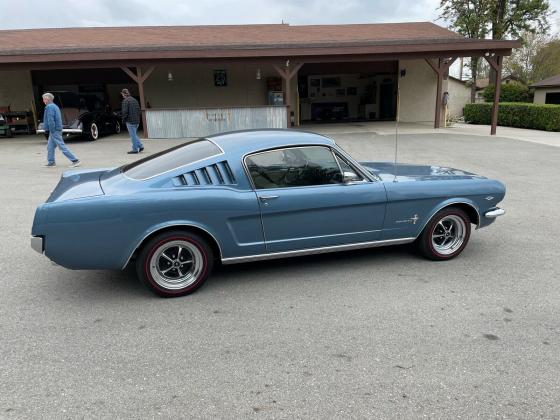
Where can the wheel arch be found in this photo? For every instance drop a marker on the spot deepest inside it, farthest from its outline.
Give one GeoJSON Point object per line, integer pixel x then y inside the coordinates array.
{"type": "Point", "coordinates": [212, 241]}
{"type": "Point", "coordinates": [468, 207]}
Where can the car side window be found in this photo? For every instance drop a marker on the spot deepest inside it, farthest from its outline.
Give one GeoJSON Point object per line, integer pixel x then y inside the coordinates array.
{"type": "Point", "coordinates": [294, 167]}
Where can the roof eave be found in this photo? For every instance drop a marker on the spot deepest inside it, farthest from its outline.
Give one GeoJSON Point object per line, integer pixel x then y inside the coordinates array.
{"type": "Point", "coordinates": [438, 47]}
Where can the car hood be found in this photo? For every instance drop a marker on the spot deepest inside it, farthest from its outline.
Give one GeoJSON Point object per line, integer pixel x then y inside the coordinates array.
{"type": "Point", "coordinates": [387, 171]}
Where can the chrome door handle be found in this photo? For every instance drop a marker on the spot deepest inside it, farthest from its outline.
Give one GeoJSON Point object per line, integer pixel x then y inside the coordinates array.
{"type": "Point", "coordinates": [267, 197]}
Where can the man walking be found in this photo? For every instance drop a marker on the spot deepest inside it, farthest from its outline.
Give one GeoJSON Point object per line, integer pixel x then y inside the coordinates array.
{"type": "Point", "coordinates": [131, 116]}
{"type": "Point", "coordinates": [52, 122]}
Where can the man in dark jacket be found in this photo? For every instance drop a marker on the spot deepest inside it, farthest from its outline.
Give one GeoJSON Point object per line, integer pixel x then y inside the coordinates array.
{"type": "Point", "coordinates": [131, 116]}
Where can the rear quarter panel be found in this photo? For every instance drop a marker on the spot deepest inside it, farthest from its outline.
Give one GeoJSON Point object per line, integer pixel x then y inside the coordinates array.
{"type": "Point", "coordinates": [102, 232]}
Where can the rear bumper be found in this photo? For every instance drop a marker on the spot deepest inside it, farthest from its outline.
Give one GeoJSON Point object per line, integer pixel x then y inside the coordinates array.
{"type": "Point", "coordinates": [492, 214]}
{"type": "Point", "coordinates": [37, 244]}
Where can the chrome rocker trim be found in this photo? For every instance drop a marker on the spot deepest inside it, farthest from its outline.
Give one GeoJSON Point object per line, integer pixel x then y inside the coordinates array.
{"type": "Point", "coordinates": [37, 244]}
{"type": "Point", "coordinates": [492, 214]}
{"type": "Point", "coordinates": [311, 251]}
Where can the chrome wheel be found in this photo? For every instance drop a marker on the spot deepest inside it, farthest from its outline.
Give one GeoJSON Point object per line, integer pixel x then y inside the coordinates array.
{"type": "Point", "coordinates": [94, 131]}
{"type": "Point", "coordinates": [448, 234]}
{"type": "Point", "coordinates": [117, 127]}
{"type": "Point", "coordinates": [176, 264]}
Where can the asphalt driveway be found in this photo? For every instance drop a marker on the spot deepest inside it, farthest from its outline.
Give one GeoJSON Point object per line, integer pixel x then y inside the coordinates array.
{"type": "Point", "coordinates": [375, 333]}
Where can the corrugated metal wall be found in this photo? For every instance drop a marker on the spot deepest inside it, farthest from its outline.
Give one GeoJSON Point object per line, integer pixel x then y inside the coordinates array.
{"type": "Point", "coordinates": [178, 123]}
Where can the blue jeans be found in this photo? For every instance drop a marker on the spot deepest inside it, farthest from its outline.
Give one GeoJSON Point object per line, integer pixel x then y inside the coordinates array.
{"type": "Point", "coordinates": [55, 139]}
{"type": "Point", "coordinates": [136, 143]}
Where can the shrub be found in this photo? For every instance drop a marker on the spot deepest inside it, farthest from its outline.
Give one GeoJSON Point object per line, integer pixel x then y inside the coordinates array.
{"type": "Point", "coordinates": [520, 115]}
{"type": "Point", "coordinates": [510, 92]}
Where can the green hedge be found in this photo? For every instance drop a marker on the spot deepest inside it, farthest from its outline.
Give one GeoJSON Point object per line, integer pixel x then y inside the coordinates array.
{"type": "Point", "coordinates": [520, 115]}
{"type": "Point", "coordinates": [510, 92]}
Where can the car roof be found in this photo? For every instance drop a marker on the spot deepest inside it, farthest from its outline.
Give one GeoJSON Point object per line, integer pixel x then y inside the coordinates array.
{"type": "Point", "coordinates": [246, 141]}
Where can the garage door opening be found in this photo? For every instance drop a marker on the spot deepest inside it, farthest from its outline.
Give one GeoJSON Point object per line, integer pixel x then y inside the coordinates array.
{"type": "Point", "coordinates": [347, 92]}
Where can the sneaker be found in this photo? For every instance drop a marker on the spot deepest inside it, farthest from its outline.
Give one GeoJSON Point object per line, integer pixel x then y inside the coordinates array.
{"type": "Point", "coordinates": [75, 163]}
{"type": "Point", "coordinates": [141, 149]}
{"type": "Point", "coordinates": [133, 152]}
{"type": "Point", "coordinates": [49, 165]}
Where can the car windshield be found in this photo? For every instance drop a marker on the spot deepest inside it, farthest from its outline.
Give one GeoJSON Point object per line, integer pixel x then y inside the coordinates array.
{"type": "Point", "coordinates": [171, 159]}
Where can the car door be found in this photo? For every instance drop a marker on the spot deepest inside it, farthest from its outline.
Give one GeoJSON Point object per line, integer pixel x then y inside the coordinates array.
{"type": "Point", "coordinates": [311, 197]}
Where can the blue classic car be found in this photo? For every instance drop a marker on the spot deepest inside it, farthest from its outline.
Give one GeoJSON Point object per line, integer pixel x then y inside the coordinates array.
{"type": "Point", "coordinates": [254, 195]}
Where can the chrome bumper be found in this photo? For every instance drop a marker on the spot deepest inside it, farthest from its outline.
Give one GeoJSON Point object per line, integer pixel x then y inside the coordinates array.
{"type": "Point", "coordinates": [492, 214]}
{"type": "Point", "coordinates": [64, 131]}
{"type": "Point", "coordinates": [37, 244]}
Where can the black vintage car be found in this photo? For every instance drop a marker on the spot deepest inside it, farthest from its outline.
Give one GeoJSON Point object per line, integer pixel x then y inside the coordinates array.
{"type": "Point", "coordinates": [84, 115]}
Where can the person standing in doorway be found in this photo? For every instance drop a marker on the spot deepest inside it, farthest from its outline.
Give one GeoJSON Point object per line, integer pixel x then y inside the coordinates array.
{"type": "Point", "coordinates": [131, 116]}
{"type": "Point", "coordinates": [52, 121]}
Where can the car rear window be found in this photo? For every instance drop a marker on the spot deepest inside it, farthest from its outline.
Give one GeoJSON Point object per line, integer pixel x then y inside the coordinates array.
{"type": "Point", "coordinates": [171, 159]}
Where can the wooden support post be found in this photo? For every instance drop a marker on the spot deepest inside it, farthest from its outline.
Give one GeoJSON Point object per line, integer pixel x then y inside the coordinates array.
{"type": "Point", "coordinates": [287, 76]}
{"type": "Point", "coordinates": [140, 78]}
{"type": "Point", "coordinates": [440, 69]}
{"type": "Point", "coordinates": [496, 63]}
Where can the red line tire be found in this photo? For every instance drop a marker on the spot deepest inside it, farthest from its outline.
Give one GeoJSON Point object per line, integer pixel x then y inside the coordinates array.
{"type": "Point", "coordinates": [174, 263]}
{"type": "Point", "coordinates": [446, 235]}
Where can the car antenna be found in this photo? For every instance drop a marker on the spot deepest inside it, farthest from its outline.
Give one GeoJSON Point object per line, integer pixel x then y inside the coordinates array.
{"type": "Point", "coordinates": [402, 73]}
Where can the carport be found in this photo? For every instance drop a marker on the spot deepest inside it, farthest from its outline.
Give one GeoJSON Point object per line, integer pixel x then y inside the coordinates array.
{"type": "Point", "coordinates": [195, 80]}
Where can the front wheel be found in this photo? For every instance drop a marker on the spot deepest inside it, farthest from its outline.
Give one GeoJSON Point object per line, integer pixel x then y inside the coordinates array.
{"type": "Point", "coordinates": [117, 127]}
{"type": "Point", "coordinates": [446, 235]}
{"type": "Point", "coordinates": [174, 263]}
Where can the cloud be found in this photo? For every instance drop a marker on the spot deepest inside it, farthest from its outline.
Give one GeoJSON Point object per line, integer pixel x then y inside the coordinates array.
{"type": "Point", "coordinates": [73, 13]}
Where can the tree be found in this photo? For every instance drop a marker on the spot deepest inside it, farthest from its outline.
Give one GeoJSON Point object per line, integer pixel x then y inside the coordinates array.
{"type": "Point", "coordinates": [546, 62]}
{"type": "Point", "coordinates": [500, 18]}
{"type": "Point", "coordinates": [469, 18]}
{"type": "Point", "coordinates": [510, 18]}
{"type": "Point", "coordinates": [521, 61]}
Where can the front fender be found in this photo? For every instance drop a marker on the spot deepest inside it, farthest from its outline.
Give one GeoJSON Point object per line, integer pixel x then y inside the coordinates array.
{"type": "Point", "coordinates": [449, 203]}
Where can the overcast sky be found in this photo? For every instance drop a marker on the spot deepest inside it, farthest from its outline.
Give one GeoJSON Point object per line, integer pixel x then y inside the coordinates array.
{"type": "Point", "coordinates": [75, 13]}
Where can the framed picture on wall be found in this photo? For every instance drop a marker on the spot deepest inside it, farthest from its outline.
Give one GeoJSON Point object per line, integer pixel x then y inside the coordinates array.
{"type": "Point", "coordinates": [220, 78]}
{"type": "Point", "coordinates": [329, 82]}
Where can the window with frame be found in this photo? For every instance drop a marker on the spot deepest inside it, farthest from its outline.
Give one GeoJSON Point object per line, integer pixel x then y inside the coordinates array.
{"type": "Point", "coordinates": [294, 167]}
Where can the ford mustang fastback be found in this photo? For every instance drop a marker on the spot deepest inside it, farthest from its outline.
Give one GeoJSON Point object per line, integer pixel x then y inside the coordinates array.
{"type": "Point", "coordinates": [254, 195]}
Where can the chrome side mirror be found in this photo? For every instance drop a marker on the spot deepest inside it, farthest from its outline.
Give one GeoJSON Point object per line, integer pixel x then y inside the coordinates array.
{"type": "Point", "coordinates": [348, 176]}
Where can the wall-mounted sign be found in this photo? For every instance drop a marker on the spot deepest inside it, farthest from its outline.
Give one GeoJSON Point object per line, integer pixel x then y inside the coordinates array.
{"type": "Point", "coordinates": [220, 78]}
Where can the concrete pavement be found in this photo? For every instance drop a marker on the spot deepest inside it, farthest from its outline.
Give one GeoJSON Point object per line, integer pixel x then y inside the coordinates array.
{"type": "Point", "coordinates": [369, 334]}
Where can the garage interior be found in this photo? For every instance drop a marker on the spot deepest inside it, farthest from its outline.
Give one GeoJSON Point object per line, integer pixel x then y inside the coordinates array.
{"type": "Point", "coordinates": [94, 89]}
{"type": "Point", "coordinates": [327, 92]}
{"type": "Point", "coordinates": [336, 92]}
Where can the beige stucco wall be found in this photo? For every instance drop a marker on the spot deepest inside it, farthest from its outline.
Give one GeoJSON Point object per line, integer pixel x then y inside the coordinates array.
{"type": "Point", "coordinates": [417, 91]}
{"type": "Point", "coordinates": [193, 86]}
{"type": "Point", "coordinates": [459, 96]}
{"type": "Point", "coordinates": [16, 90]}
{"type": "Point", "coordinates": [540, 94]}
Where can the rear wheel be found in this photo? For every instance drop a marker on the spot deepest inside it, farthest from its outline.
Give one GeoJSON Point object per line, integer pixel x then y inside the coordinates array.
{"type": "Point", "coordinates": [93, 131]}
{"type": "Point", "coordinates": [174, 263]}
{"type": "Point", "coordinates": [446, 235]}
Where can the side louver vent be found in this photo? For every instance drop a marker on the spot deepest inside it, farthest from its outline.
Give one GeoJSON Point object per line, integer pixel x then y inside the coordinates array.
{"type": "Point", "coordinates": [217, 174]}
